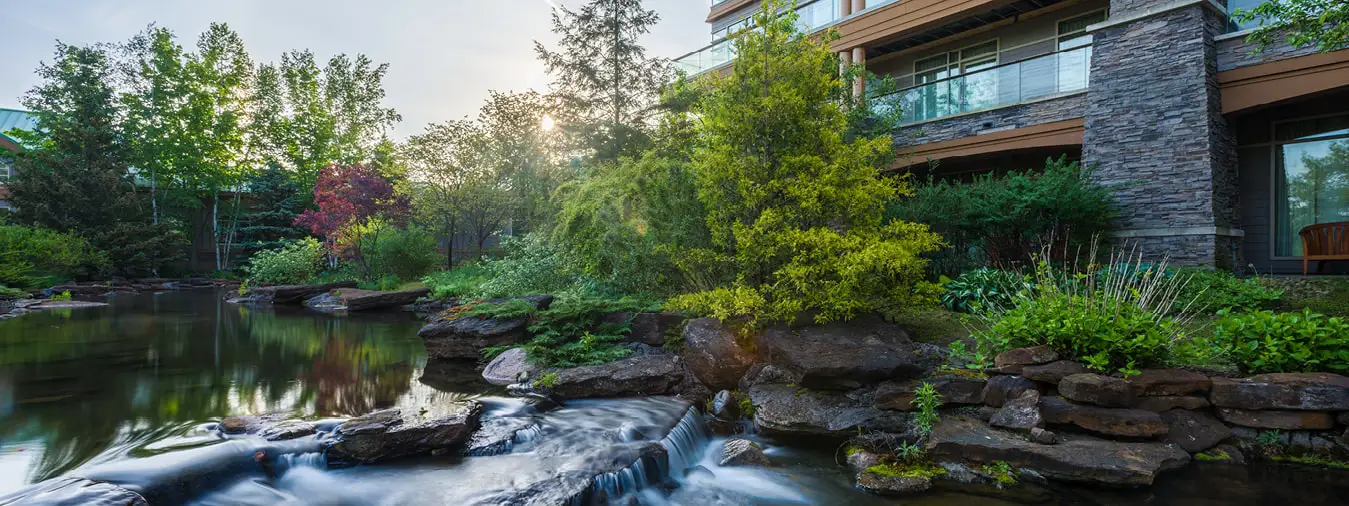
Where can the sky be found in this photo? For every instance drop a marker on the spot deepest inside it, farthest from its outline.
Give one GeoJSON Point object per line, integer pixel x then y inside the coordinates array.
{"type": "Point", "coordinates": [444, 55]}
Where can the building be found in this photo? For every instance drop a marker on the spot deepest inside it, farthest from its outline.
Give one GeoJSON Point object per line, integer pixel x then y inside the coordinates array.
{"type": "Point", "coordinates": [10, 119]}
{"type": "Point", "coordinates": [1217, 154]}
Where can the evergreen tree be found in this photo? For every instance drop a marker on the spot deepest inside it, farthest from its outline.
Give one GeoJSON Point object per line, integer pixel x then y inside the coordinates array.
{"type": "Point", "coordinates": [604, 84]}
{"type": "Point", "coordinates": [274, 202]}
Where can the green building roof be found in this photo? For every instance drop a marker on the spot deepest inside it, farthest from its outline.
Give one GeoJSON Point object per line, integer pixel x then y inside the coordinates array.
{"type": "Point", "coordinates": [12, 118]}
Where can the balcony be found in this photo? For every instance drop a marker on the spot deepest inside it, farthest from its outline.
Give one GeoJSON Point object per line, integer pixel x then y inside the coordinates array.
{"type": "Point", "coordinates": [1048, 75]}
{"type": "Point", "coordinates": [810, 17]}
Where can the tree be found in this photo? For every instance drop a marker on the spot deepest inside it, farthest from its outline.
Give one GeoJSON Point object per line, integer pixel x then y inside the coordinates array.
{"type": "Point", "coordinates": [603, 82]}
{"type": "Point", "coordinates": [795, 207]}
{"type": "Point", "coordinates": [275, 203]}
{"type": "Point", "coordinates": [517, 154]}
{"type": "Point", "coordinates": [444, 164]}
{"type": "Point", "coordinates": [1320, 23]}
{"type": "Point", "coordinates": [353, 200]}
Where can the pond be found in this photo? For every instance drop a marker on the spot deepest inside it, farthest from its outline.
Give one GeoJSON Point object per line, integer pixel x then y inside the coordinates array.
{"type": "Point", "coordinates": [147, 376]}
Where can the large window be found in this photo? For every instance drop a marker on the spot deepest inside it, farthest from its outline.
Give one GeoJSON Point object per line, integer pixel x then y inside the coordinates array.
{"type": "Point", "coordinates": [1074, 66]}
{"type": "Point", "coordinates": [6, 168]}
{"type": "Point", "coordinates": [1311, 178]}
{"type": "Point", "coordinates": [953, 96]}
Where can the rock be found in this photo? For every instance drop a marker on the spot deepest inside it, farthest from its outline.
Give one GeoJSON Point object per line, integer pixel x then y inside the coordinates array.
{"type": "Point", "coordinates": [1042, 436]}
{"type": "Point", "coordinates": [273, 427]}
{"type": "Point", "coordinates": [497, 435]}
{"type": "Point", "coordinates": [352, 299]}
{"type": "Point", "coordinates": [464, 338]}
{"type": "Point", "coordinates": [394, 433]}
{"type": "Point", "coordinates": [1107, 421]}
{"type": "Point", "coordinates": [787, 410]}
{"type": "Point", "coordinates": [766, 374]}
{"type": "Point", "coordinates": [70, 491]}
{"type": "Point", "coordinates": [1296, 391]}
{"type": "Point", "coordinates": [650, 329]}
{"type": "Point", "coordinates": [1053, 372]}
{"type": "Point", "coordinates": [713, 353]}
{"type": "Point", "coordinates": [725, 406]}
{"type": "Point", "coordinates": [883, 484]}
{"type": "Point", "coordinates": [1097, 389]}
{"type": "Point", "coordinates": [507, 367]}
{"type": "Point", "coordinates": [235, 424]}
{"type": "Point", "coordinates": [858, 459]}
{"type": "Point", "coordinates": [957, 388]}
{"type": "Point", "coordinates": [1021, 413]}
{"type": "Point", "coordinates": [1033, 355]}
{"type": "Point", "coordinates": [742, 452]}
{"type": "Point", "coordinates": [1010, 369]}
{"type": "Point", "coordinates": [1170, 402]}
{"type": "Point", "coordinates": [1001, 389]}
{"type": "Point", "coordinates": [1222, 454]}
{"type": "Point", "coordinates": [1194, 431]}
{"type": "Point", "coordinates": [288, 294]}
{"type": "Point", "coordinates": [1277, 419]}
{"type": "Point", "coordinates": [574, 483]}
{"type": "Point", "coordinates": [632, 376]}
{"type": "Point", "coordinates": [896, 395]}
{"type": "Point", "coordinates": [1154, 382]}
{"type": "Point", "coordinates": [1342, 418]}
{"type": "Point", "coordinates": [1080, 459]}
{"type": "Point", "coordinates": [844, 355]}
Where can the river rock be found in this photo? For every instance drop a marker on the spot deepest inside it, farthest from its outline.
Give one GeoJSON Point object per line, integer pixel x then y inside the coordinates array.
{"type": "Point", "coordinates": [1097, 389]}
{"type": "Point", "coordinates": [1162, 403]}
{"type": "Point", "coordinates": [1021, 413]}
{"type": "Point", "coordinates": [1194, 431]}
{"type": "Point", "coordinates": [463, 338]}
{"type": "Point", "coordinates": [844, 355]}
{"type": "Point", "coordinates": [1154, 382]}
{"type": "Point", "coordinates": [1001, 389]}
{"type": "Point", "coordinates": [1295, 391]}
{"type": "Point", "coordinates": [742, 452]}
{"type": "Point", "coordinates": [71, 491]}
{"type": "Point", "coordinates": [714, 354]}
{"type": "Point", "coordinates": [1053, 372]}
{"type": "Point", "coordinates": [353, 299]}
{"type": "Point", "coordinates": [633, 376]}
{"type": "Point", "coordinates": [650, 329]}
{"type": "Point", "coordinates": [882, 484]}
{"type": "Point", "coordinates": [507, 368]}
{"type": "Point", "coordinates": [859, 459]}
{"type": "Point", "coordinates": [272, 427]}
{"type": "Point", "coordinates": [1106, 421]}
{"type": "Point", "coordinates": [1042, 436]}
{"type": "Point", "coordinates": [896, 395]}
{"type": "Point", "coordinates": [725, 406]}
{"type": "Point", "coordinates": [288, 294]}
{"type": "Point", "coordinates": [767, 374]}
{"type": "Point", "coordinates": [1277, 419]}
{"type": "Point", "coordinates": [1079, 459]}
{"type": "Point", "coordinates": [958, 388]}
{"type": "Point", "coordinates": [788, 410]}
{"type": "Point", "coordinates": [1032, 355]}
{"type": "Point", "coordinates": [573, 485]}
{"type": "Point", "coordinates": [394, 433]}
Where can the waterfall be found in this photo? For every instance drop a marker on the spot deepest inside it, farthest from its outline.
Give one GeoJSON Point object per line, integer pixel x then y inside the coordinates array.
{"type": "Point", "coordinates": [686, 441]}
{"type": "Point", "coordinates": [683, 447]}
{"type": "Point", "coordinates": [316, 460]}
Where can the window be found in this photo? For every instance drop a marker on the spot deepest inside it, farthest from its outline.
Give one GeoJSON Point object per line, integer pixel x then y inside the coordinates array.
{"type": "Point", "coordinates": [1233, 5]}
{"type": "Point", "coordinates": [1074, 66]}
{"type": "Point", "coordinates": [6, 168]}
{"type": "Point", "coordinates": [954, 96]}
{"type": "Point", "coordinates": [1311, 178]}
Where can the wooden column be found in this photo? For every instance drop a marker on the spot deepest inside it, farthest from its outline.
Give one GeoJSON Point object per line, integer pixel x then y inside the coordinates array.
{"type": "Point", "coordinates": [844, 8]}
{"type": "Point", "coordinates": [858, 6]}
{"type": "Point", "coordinates": [859, 85]}
{"type": "Point", "coordinates": [844, 61]}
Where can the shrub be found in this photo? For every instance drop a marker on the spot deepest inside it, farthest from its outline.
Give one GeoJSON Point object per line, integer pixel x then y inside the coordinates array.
{"type": "Point", "coordinates": [62, 296]}
{"type": "Point", "coordinates": [30, 254]}
{"type": "Point", "coordinates": [139, 249]}
{"type": "Point", "coordinates": [1009, 218]}
{"type": "Point", "coordinates": [1210, 290]}
{"type": "Point", "coordinates": [465, 280]}
{"type": "Point", "coordinates": [1264, 342]}
{"type": "Point", "coordinates": [530, 267]}
{"type": "Point", "coordinates": [12, 293]}
{"type": "Point", "coordinates": [406, 253]}
{"type": "Point", "coordinates": [926, 400]}
{"type": "Point", "coordinates": [295, 262]}
{"type": "Point", "coordinates": [571, 332]}
{"type": "Point", "coordinates": [982, 289]}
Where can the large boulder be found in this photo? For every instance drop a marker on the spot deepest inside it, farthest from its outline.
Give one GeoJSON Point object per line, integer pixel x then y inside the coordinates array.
{"type": "Point", "coordinates": [1295, 391]}
{"type": "Point", "coordinates": [508, 367]}
{"type": "Point", "coordinates": [632, 376]}
{"type": "Point", "coordinates": [959, 387]}
{"type": "Point", "coordinates": [1021, 413]}
{"type": "Point", "coordinates": [713, 353]}
{"type": "Point", "coordinates": [790, 410]}
{"type": "Point", "coordinates": [72, 491]}
{"type": "Point", "coordinates": [650, 329]}
{"type": "Point", "coordinates": [1097, 389]}
{"type": "Point", "coordinates": [575, 482]}
{"type": "Point", "coordinates": [288, 294]}
{"type": "Point", "coordinates": [1134, 423]}
{"type": "Point", "coordinates": [896, 395]}
{"type": "Point", "coordinates": [1078, 459]}
{"type": "Point", "coordinates": [742, 452]}
{"type": "Point", "coordinates": [464, 337]}
{"type": "Point", "coordinates": [1053, 372]}
{"type": "Point", "coordinates": [1001, 389]}
{"type": "Point", "coordinates": [1155, 382]}
{"type": "Point", "coordinates": [1277, 419]}
{"type": "Point", "coordinates": [892, 484]}
{"type": "Point", "coordinates": [845, 355]}
{"type": "Point", "coordinates": [1194, 431]}
{"type": "Point", "coordinates": [394, 433]}
{"type": "Point", "coordinates": [352, 299]}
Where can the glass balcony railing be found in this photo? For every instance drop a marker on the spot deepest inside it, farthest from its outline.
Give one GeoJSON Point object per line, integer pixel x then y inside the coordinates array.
{"type": "Point", "coordinates": [810, 17]}
{"type": "Point", "coordinates": [1042, 76]}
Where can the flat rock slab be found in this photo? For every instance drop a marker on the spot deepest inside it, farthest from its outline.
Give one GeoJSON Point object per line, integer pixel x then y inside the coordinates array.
{"type": "Point", "coordinates": [1080, 459]}
{"type": "Point", "coordinates": [714, 353]}
{"type": "Point", "coordinates": [1096, 389]}
{"type": "Point", "coordinates": [1021, 413]}
{"type": "Point", "coordinates": [1277, 419]}
{"type": "Point", "coordinates": [465, 337]}
{"type": "Point", "coordinates": [1194, 431]}
{"type": "Point", "coordinates": [66, 304]}
{"type": "Point", "coordinates": [1134, 423]}
{"type": "Point", "coordinates": [844, 355]}
{"type": "Point", "coordinates": [1031, 355]}
{"type": "Point", "coordinates": [958, 388]}
{"type": "Point", "coordinates": [892, 485]}
{"type": "Point", "coordinates": [288, 294]}
{"type": "Point", "coordinates": [394, 433]}
{"type": "Point", "coordinates": [1154, 382]}
{"type": "Point", "coordinates": [1053, 372]}
{"type": "Point", "coordinates": [353, 299]}
{"type": "Point", "coordinates": [506, 368]}
{"type": "Point", "coordinates": [274, 427]}
{"type": "Point", "coordinates": [1295, 391]}
{"type": "Point", "coordinates": [1001, 389]}
{"type": "Point", "coordinates": [792, 410]}
{"type": "Point", "coordinates": [1158, 404]}
{"type": "Point", "coordinates": [632, 376]}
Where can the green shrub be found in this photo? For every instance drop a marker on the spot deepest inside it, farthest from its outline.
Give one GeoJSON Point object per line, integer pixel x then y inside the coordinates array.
{"type": "Point", "coordinates": [571, 332]}
{"type": "Point", "coordinates": [529, 267]}
{"type": "Point", "coordinates": [1264, 342]}
{"type": "Point", "coordinates": [466, 280]}
{"type": "Point", "coordinates": [12, 293]}
{"type": "Point", "coordinates": [292, 263]}
{"type": "Point", "coordinates": [926, 400]}
{"type": "Point", "coordinates": [138, 249]}
{"type": "Point", "coordinates": [62, 296]}
{"type": "Point", "coordinates": [32, 256]}
{"type": "Point", "coordinates": [1210, 291]}
{"type": "Point", "coordinates": [1008, 218]}
{"type": "Point", "coordinates": [982, 289]}
{"type": "Point", "coordinates": [406, 253]}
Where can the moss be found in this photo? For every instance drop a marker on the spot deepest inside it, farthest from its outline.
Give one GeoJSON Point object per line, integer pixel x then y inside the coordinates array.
{"type": "Point", "coordinates": [1312, 460]}
{"type": "Point", "coordinates": [1213, 456]}
{"type": "Point", "coordinates": [934, 325]}
{"type": "Point", "coordinates": [546, 380]}
{"type": "Point", "coordinates": [925, 470]}
{"type": "Point", "coordinates": [1001, 472]}
{"type": "Point", "coordinates": [746, 406]}
{"type": "Point", "coordinates": [1328, 296]}
{"type": "Point", "coordinates": [852, 450]}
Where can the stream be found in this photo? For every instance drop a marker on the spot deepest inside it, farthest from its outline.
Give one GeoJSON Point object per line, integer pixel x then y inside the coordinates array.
{"type": "Point", "coordinates": [131, 394]}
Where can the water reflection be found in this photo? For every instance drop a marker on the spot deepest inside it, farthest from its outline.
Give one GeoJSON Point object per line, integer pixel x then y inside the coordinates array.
{"type": "Point", "coordinates": [85, 386]}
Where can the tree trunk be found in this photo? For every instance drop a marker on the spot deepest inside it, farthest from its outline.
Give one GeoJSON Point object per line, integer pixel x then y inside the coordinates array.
{"type": "Point", "coordinates": [215, 224]}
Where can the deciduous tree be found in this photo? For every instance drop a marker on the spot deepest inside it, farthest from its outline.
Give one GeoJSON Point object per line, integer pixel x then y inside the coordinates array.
{"type": "Point", "coordinates": [1320, 23]}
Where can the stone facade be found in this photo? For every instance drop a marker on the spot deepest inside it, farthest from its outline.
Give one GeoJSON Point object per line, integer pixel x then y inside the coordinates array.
{"type": "Point", "coordinates": [968, 125]}
{"type": "Point", "coordinates": [1234, 52]}
{"type": "Point", "coordinates": [1156, 134]}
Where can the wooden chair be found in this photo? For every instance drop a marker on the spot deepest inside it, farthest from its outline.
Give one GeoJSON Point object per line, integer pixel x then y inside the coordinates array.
{"type": "Point", "coordinates": [1324, 241]}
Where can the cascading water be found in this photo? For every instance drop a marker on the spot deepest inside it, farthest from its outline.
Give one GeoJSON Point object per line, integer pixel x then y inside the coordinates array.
{"type": "Point", "coordinates": [314, 460]}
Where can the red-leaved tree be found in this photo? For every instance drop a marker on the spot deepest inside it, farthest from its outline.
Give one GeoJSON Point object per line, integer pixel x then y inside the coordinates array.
{"type": "Point", "coordinates": [348, 197]}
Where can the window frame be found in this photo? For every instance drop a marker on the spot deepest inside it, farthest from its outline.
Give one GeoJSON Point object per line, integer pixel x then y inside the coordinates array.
{"type": "Point", "coordinates": [1276, 164]}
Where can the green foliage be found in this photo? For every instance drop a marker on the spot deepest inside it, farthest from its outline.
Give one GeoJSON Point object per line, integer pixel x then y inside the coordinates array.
{"type": "Point", "coordinates": [571, 332]}
{"type": "Point", "coordinates": [1320, 23]}
{"type": "Point", "coordinates": [466, 280]}
{"type": "Point", "coordinates": [529, 267]}
{"type": "Point", "coordinates": [927, 400]}
{"type": "Point", "coordinates": [1214, 455]}
{"type": "Point", "coordinates": [1268, 438]}
{"type": "Point", "coordinates": [12, 293]}
{"type": "Point", "coordinates": [406, 253]}
{"type": "Point", "coordinates": [137, 248]}
{"type": "Point", "coordinates": [1001, 472]}
{"type": "Point", "coordinates": [909, 452]}
{"type": "Point", "coordinates": [745, 404]}
{"type": "Point", "coordinates": [907, 470]}
{"type": "Point", "coordinates": [30, 255]}
{"type": "Point", "coordinates": [796, 209]}
{"type": "Point", "coordinates": [1313, 460]}
{"type": "Point", "coordinates": [292, 263]}
{"type": "Point", "coordinates": [276, 199]}
{"type": "Point", "coordinates": [1264, 341]}
{"type": "Point", "coordinates": [1210, 290]}
{"type": "Point", "coordinates": [62, 296]}
{"type": "Point", "coordinates": [509, 308]}
{"type": "Point", "coordinates": [982, 288]}
{"type": "Point", "coordinates": [546, 380]}
{"type": "Point", "coordinates": [1002, 219]}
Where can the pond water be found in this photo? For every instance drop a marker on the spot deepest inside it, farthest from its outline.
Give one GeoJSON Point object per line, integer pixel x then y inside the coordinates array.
{"type": "Point", "coordinates": [120, 391]}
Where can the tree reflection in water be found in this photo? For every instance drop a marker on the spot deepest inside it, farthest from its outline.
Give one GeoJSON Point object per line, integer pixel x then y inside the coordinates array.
{"type": "Point", "coordinates": [96, 384]}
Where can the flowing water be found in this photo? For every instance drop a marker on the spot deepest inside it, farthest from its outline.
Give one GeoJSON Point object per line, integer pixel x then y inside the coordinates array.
{"type": "Point", "coordinates": [130, 394]}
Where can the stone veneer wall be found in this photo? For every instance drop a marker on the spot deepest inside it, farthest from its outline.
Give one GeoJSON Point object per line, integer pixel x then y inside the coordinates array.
{"type": "Point", "coordinates": [995, 120]}
{"type": "Point", "coordinates": [1156, 134]}
{"type": "Point", "coordinates": [1235, 52]}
